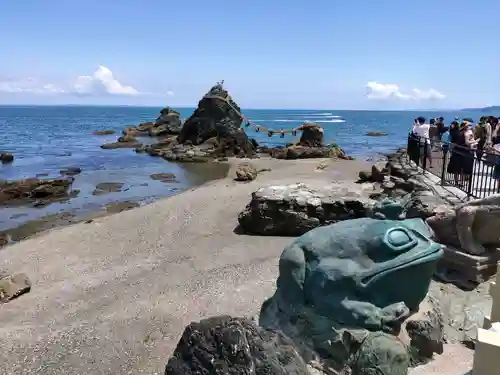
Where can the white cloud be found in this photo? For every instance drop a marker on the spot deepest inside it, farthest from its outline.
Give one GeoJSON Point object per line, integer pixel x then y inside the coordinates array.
{"type": "Point", "coordinates": [386, 91]}
{"type": "Point", "coordinates": [170, 93]}
{"type": "Point", "coordinates": [28, 85]}
{"type": "Point", "coordinates": [101, 82]}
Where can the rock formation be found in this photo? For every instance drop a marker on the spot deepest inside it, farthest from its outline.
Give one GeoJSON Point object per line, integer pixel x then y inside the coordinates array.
{"type": "Point", "coordinates": [35, 191]}
{"type": "Point", "coordinates": [473, 226]}
{"type": "Point", "coordinates": [310, 145]}
{"type": "Point", "coordinates": [292, 210]}
{"type": "Point", "coordinates": [234, 346]}
{"type": "Point", "coordinates": [218, 116]}
{"type": "Point", "coordinates": [344, 292]}
{"type": "Point", "coordinates": [168, 123]}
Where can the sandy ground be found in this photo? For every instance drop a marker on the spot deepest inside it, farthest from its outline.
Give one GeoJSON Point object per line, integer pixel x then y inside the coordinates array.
{"type": "Point", "coordinates": [113, 296]}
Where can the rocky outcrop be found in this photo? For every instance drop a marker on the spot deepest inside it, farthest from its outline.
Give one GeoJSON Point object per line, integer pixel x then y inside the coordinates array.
{"type": "Point", "coordinates": [13, 286]}
{"type": "Point", "coordinates": [103, 132]}
{"type": "Point", "coordinates": [164, 177]}
{"type": "Point", "coordinates": [234, 346]}
{"type": "Point", "coordinates": [35, 191]}
{"type": "Point", "coordinates": [168, 123]}
{"type": "Point", "coordinates": [292, 210]}
{"type": "Point", "coordinates": [6, 157]}
{"type": "Point", "coordinates": [107, 187]}
{"type": "Point", "coordinates": [115, 145]}
{"type": "Point", "coordinates": [473, 226]}
{"type": "Point", "coordinates": [217, 116]}
{"type": "Point", "coordinates": [310, 145]}
{"type": "Point", "coordinates": [345, 291]}
{"type": "Point", "coordinates": [70, 171]}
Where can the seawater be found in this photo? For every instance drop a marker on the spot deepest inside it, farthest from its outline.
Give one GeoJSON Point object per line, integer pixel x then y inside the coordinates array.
{"type": "Point", "coordinates": [46, 139]}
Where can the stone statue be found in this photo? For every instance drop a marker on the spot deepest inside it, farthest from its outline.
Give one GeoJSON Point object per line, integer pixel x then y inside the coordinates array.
{"type": "Point", "coordinates": [339, 283]}
{"type": "Point", "coordinates": [472, 226]}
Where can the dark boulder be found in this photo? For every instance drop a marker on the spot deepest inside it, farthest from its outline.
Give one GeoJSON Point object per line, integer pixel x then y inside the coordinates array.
{"type": "Point", "coordinates": [6, 157]}
{"type": "Point", "coordinates": [34, 190]}
{"type": "Point", "coordinates": [234, 346]}
{"type": "Point", "coordinates": [218, 116]}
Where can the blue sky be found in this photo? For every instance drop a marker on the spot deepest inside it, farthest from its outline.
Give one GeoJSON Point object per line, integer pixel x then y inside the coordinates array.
{"type": "Point", "coordinates": [271, 53]}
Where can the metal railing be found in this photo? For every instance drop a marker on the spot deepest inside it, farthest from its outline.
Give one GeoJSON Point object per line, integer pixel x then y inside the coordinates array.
{"type": "Point", "coordinates": [475, 172]}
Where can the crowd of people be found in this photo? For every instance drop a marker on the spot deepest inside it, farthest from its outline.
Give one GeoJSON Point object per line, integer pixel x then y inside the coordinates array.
{"type": "Point", "coordinates": [462, 141]}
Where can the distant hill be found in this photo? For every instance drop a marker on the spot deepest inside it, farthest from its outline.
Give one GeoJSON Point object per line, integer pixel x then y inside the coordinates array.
{"type": "Point", "coordinates": [493, 108]}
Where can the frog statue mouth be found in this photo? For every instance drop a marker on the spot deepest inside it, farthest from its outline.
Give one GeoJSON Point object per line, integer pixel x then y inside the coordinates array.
{"type": "Point", "coordinates": [412, 254]}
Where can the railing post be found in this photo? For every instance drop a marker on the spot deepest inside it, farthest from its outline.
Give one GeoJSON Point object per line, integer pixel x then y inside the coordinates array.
{"type": "Point", "coordinates": [443, 167]}
{"type": "Point", "coordinates": [424, 161]}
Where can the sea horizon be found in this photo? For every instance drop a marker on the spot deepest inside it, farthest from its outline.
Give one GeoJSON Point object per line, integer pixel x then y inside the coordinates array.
{"type": "Point", "coordinates": [76, 105]}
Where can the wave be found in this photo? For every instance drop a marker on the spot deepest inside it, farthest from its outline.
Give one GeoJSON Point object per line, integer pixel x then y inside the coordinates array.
{"type": "Point", "coordinates": [332, 120]}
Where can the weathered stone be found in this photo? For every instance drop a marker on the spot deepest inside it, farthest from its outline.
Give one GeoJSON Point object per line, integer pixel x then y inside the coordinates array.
{"type": "Point", "coordinates": [107, 187]}
{"type": "Point", "coordinates": [127, 139]}
{"type": "Point", "coordinates": [423, 332]}
{"type": "Point", "coordinates": [473, 226]}
{"type": "Point", "coordinates": [169, 122]}
{"type": "Point", "coordinates": [103, 132]}
{"type": "Point", "coordinates": [217, 115]}
{"type": "Point", "coordinates": [30, 190]}
{"type": "Point", "coordinates": [246, 172]}
{"type": "Point", "coordinates": [292, 210]}
{"type": "Point", "coordinates": [6, 157]}
{"type": "Point", "coordinates": [381, 354]}
{"type": "Point", "coordinates": [115, 145]}
{"type": "Point", "coordinates": [70, 171]}
{"type": "Point", "coordinates": [164, 177]}
{"type": "Point", "coordinates": [14, 286]}
{"type": "Point", "coordinates": [338, 283]}
{"type": "Point", "coordinates": [234, 346]}
{"type": "Point", "coordinates": [116, 207]}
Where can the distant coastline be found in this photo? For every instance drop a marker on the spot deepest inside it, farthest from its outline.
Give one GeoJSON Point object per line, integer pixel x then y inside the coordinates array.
{"type": "Point", "coordinates": [493, 108]}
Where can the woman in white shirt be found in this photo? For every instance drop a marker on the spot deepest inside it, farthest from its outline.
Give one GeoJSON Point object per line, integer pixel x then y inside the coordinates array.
{"type": "Point", "coordinates": [421, 130]}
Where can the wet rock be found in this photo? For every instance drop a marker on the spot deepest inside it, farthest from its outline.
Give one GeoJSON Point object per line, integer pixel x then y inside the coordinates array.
{"type": "Point", "coordinates": [115, 145]}
{"type": "Point", "coordinates": [70, 171]}
{"type": "Point", "coordinates": [234, 346]}
{"type": "Point", "coordinates": [169, 122]}
{"type": "Point", "coordinates": [6, 157]}
{"type": "Point", "coordinates": [14, 286]}
{"type": "Point", "coordinates": [246, 172]}
{"type": "Point", "coordinates": [103, 132]}
{"type": "Point", "coordinates": [116, 207]}
{"type": "Point", "coordinates": [33, 190]}
{"type": "Point", "coordinates": [217, 116]}
{"type": "Point", "coordinates": [164, 177]}
{"type": "Point", "coordinates": [127, 138]}
{"type": "Point", "coordinates": [304, 152]}
{"type": "Point", "coordinates": [292, 210]}
{"type": "Point", "coordinates": [376, 134]}
{"type": "Point", "coordinates": [107, 187]}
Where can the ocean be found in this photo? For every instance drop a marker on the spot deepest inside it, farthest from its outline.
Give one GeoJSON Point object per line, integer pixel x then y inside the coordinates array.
{"type": "Point", "coordinates": [46, 139]}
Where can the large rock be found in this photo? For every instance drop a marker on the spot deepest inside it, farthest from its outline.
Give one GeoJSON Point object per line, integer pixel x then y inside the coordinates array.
{"type": "Point", "coordinates": [473, 226]}
{"type": "Point", "coordinates": [168, 123]}
{"type": "Point", "coordinates": [234, 346]}
{"type": "Point", "coordinates": [339, 284]}
{"type": "Point", "coordinates": [217, 115]}
{"type": "Point", "coordinates": [13, 286]}
{"type": "Point", "coordinates": [292, 210]}
{"type": "Point", "coordinates": [35, 191]}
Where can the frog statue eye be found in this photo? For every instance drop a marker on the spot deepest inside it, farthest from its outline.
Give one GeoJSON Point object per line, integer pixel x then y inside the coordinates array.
{"type": "Point", "coordinates": [399, 239]}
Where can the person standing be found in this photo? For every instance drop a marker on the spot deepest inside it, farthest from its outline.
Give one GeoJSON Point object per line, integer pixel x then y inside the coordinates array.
{"type": "Point", "coordinates": [421, 130]}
